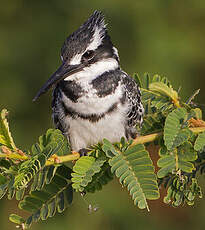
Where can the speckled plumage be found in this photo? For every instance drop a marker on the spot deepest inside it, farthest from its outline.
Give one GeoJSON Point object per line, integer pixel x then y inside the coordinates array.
{"type": "Point", "coordinates": [100, 101]}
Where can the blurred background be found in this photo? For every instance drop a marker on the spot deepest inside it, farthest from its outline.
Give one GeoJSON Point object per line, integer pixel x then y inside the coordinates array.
{"type": "Point", "coordinates": [156, 36]}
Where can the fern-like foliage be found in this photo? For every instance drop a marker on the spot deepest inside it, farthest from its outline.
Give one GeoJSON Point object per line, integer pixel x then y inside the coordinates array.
{"type": "Point", "coordinates": [43, 177]}
{"type": "Point", "coordinates": [135, 170]}
{"type": "Point", "coordinates": [5, 135]}
{"type": "Point", "coordinates": [84, 169]}
{"type": "Point", "coordinates": [152, 123]}
{"type": "Point", "coordinates": [176, 131]}
{"type": "Point", "coordinates": [100, 179]}
{"type": "Point", "coordinates": [44, 185]}
{"type": "Point", "coordinates": [180, 159]}
{"type": "Point", "coordinates": [158, 94]}
{"type": "Point", "coordinates": [53, 197]}
{"type": "Point", "coordinates": [158, 99]}
{"type": "Point", "coordinates": [178, 152]}
{"type": "Point", "coordinates": [28, 169]}
{"type": "Point", "coordinates": [199, 144]}
{"type": "Point", "coordinates": [181, 191]}
{"type": "Point", "coordinates": [53, 142]}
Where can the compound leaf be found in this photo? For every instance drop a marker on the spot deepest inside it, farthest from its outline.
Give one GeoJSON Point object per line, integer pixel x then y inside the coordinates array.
{"type": "Point", "coordinates": [173, 133]}
{"type": "Point", "coordinates": [135, 170]}
{"type": "Point", "coordinates": [99, 179]}
{"type": "Point", "coordinates": [5, 135]}
{"type": "Point", "coordinates": [200, 142]}
{"type": "Point", "coordinates": [56, 196]}
{"type": "Point", "coordinates": [83, 171]}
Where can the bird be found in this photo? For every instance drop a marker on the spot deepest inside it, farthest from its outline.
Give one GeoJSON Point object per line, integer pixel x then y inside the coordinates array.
{"type": "Point", "coordinates": [93, 98]}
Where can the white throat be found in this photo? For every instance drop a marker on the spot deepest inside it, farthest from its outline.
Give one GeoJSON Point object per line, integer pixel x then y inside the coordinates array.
{"type": "Point", "coordinates": [94, 70]}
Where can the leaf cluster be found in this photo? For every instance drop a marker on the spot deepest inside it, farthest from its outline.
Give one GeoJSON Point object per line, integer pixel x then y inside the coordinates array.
{"type": "Point", "coordinates": [44, 183]}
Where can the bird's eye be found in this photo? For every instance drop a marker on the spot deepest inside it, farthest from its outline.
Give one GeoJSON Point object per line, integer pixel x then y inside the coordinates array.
{"type": "Point", "coordinates": [88, 55]}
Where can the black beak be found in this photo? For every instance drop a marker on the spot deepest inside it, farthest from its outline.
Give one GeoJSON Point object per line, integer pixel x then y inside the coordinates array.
{"type": "Point", "coordinates": [62, 72]}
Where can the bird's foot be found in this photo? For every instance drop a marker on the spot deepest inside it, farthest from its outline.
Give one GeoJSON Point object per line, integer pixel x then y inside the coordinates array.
{"type": "Point", "coordinates": [83, 152]}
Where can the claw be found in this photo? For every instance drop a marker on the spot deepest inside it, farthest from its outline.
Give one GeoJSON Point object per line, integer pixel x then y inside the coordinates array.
{"type": "Point", "coordinates": [83, 152]}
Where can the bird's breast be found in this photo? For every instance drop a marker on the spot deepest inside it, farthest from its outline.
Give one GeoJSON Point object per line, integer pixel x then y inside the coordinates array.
{"type": "Point", "coordinates": [86, 131]}
{"type": "Point", "coordinates": [95, 97]}
{"type": "Point", "coordinates": [91, 103]}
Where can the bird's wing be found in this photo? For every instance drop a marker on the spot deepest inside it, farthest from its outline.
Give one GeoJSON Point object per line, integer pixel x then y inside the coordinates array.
{"type": "Point", "coordinates": [135, 108]}
{"type": "Point", "coordinates": [58, 111]}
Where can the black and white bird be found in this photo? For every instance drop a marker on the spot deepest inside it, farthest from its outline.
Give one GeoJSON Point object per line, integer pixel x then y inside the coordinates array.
{"type": "Point", "coordinates": [93, 98]}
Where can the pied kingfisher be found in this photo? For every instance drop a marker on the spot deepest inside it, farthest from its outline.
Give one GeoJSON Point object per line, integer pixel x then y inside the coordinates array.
{"type": "Point", "coordinates": [93, 98]}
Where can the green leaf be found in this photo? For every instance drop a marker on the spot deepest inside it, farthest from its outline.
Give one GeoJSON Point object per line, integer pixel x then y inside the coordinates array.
{"type": "Point", "coordinates": [11, 192]}
{"type": "Point", "coordinates": [164, 90]}
{"type": "Point", "coordinates": [183, 135]}
{"type": "Point", "coordinates": [109, 149]}
{"type": "Point", "coordinates": [186, 166]}
{"type": "Point", "coordinates": [152, 122]}
{"type": "Point", "coordinates": [45, 176]}
{"type": "Point", "coordinates": [147, 80]}
{"type": "Point", "coordinates": [52, 208]}
{"type": "Point", "coordinates": [3, 179]}
{"type": "Point", "coordinates": [181, 159]}
{"type": "Point", "coordinates": [158, 78]}
{"type": "Point", "coordinates": [181, 191]}
{"type": "Point", "coordinates": [135, 170]}
{"type": "Point", "coordinates": [4, 164]}
{"type": "Point", "coordinates": [173, 133]}
{"type": "Point", "coordinates": [41, 179]}
{"type": "Point", "coordinates": [167, 165]}
{"type": "Point", "coordinates": [186, 152]}
{"type": "Point", "coordinates": [84, 169]}
{"type": "Point", "coordinates": [83, 164]}
{"type": "Point", "coordinates": [56, 141]}
{"type": "Point", "coordinates": [5, 135]}
{"type": "Point", "coordinates": [200, 142]}
{"type": "Point", "coordinates": [57, 195]}
{"type": "Point", "coordinates": [137, 79]}
{"type": "Point", "coordinates": [100, 179]}
{"type": "Point", "coordinates": [53, 142]}
{"type": "Point", "coordinates": [61, 202]}
{"type": "Point", "coordinates": [16, 219]}
{"type": "Point", "coordinates": [197, 113]}
{"type": "Point", "coordinates": [20, 194]}
{"type": "Point", "coordinates": [28, 169]}
{"type": "Point", "coordinates": [191, 98]}
{"type": "Point", "coordinates": [50, 173]}
{"type": "Point", "coordinates": [4, 183]}
{"type": "Point", "coordinates": [156, 95]}
{"type": "Point", "coordinates": [44, 212]}
{"type": "Point", "coordinates": [161, 103]}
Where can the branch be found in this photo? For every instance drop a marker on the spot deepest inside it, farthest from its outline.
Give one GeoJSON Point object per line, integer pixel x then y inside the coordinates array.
{"type": "Point", "coordinates": [14, 156]}
{"type": "Point", "coordinates": [146, 139]}
{"type": "Point", "coordinates": [75, 155]}
{"type": "Point", "coordinates": [7, 153]}
{"type": "Point", "coordinates": [154, 136]}
{"type": "Point", "coordinates": [61, 159]}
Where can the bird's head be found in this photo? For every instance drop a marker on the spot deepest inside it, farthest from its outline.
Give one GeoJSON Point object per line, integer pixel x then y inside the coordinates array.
{"type": "Point", "coordinates": [87, 51]}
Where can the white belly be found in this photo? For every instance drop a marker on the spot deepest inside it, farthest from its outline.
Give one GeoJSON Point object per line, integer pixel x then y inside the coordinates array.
{"type": "Point", "coordinates": [84, 133]}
